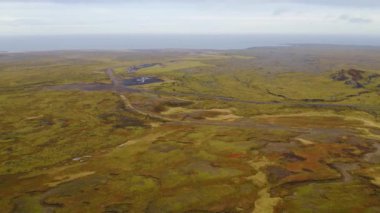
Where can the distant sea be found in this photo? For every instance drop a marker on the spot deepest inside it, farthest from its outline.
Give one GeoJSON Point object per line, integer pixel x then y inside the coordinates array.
{"type": "Point", "coordinates": [125, 42]}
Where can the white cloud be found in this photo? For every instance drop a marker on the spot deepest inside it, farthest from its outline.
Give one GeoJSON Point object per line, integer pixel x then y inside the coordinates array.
{"type": "Point", "coordinates": [195, 17]}
{"type": "Point", "coordinates": [339, 3]}
{"type": "Point", "coordinates": [355, 20]}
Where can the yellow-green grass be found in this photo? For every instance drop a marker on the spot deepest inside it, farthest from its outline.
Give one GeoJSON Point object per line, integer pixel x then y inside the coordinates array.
{"type": "Point", "coordinates": [37, 125]}
{"type": "Point", "coordinates": [70, 150]}
{"type": "Point", "coordinates": [332, 197]}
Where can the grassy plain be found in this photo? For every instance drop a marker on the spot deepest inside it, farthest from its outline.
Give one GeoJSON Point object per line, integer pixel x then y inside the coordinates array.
{"type": "Point", "coordinates": [257, 130]}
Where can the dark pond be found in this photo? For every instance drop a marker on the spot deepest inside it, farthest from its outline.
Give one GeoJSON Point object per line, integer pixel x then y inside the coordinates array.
{"type": "Point", "coordinates": [141, 81]}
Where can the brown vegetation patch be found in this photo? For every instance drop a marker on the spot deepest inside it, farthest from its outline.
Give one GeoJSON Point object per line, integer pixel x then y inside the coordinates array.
{"type": "Point", "coordinates": [314, 165]}
{"type": "Point", "coordinates": [354, 77]}
{"type": "Point", "coordinates": [291, 157]}
{"type": "Point", "coordinates": [164, 105]}
{"type": "Point", "coordinates": [277, 173]}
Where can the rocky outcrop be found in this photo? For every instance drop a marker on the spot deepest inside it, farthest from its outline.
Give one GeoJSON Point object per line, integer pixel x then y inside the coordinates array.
{"type": "Point", "coordinates": [354, 77]}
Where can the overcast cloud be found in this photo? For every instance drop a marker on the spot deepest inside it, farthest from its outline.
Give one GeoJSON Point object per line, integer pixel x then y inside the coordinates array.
{"type": "Point", "coordinates": [44, 17]}
{"type": "Point", "coordinates": [342, 3]}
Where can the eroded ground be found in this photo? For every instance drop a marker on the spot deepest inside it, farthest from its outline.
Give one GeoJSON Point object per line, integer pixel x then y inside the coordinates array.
{"type": "Point", "coordinates": [191, 131]}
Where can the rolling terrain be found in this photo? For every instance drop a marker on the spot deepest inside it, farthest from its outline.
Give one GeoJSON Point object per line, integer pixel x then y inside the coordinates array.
{"type": "Point", "coordinates": [274, 129]}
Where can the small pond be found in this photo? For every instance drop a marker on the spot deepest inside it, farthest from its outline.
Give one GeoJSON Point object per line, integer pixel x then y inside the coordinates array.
{"type": "Point", "coordinates": [141, 81]}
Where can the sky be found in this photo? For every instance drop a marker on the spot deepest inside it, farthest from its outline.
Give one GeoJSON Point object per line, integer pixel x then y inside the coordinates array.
{"type": "Point", "coordinates": [73, 17]}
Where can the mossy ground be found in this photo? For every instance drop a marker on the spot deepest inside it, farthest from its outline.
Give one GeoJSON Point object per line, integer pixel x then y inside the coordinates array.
{"type": "Point", "coordinates": [241, 134]}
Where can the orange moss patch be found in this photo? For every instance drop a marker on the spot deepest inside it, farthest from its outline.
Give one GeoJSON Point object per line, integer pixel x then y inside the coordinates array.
{"type": "Point", "coordinates": [314, 166]}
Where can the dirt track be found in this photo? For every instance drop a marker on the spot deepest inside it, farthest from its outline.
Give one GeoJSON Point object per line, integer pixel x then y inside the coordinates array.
{"type": "Point", "coordinates": [119, 88]}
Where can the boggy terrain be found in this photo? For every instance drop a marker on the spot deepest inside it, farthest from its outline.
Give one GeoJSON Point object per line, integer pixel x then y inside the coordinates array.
{"type": "Point", "coordinates": [281, 129]}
